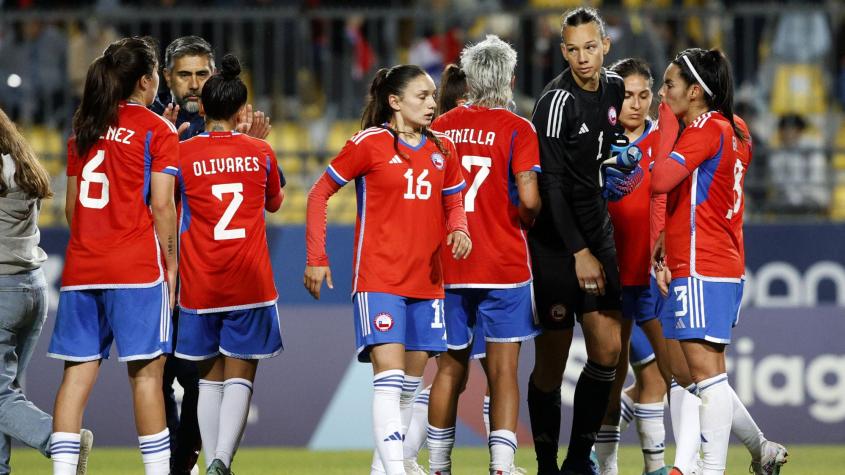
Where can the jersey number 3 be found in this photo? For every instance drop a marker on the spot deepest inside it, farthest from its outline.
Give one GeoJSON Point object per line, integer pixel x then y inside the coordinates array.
{"type": "Point", "coordinates": [221, 233]}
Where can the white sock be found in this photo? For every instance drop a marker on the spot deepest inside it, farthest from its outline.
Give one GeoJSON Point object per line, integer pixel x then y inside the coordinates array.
{"type": "Point", "coordinates": [440, 443]}
{"type": "Point", "coordinates": [208, 416]}
{"type": "Point", "coordinates": [234, 409]}
{"type": "Point", "coordinates": [686, 426]}
{"type": "Point", "coordinates": [716, 416]}
{"type": "Point", "coordinates": [406, 400]}
{"type": "Point", "coordinates": [155, 452]}
{"type": "Point", "coordinates": [626, 405]}
{"type": "Point", "coordinates": [502, 445]}
{"type": "Point", "coordinates": [485, 414]}
{"type": "Point", "coordinates": [387, 419]}
{"type": "Point", "coordinates": [415, 437]}
{"type": "Point", "coordinates": [652, 434]}
{"type": "Point", "coordinates": [745, 429]}
{"type": "Point", "coordinates": [607, 447]}
{"type": "Point", "coordinates": [64, 451]}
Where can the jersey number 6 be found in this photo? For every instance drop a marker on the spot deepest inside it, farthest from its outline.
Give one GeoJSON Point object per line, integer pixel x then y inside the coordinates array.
{"type": "Point", "coordinates": [90, 176]}
{"type": "Point", "coordinates": [220, 231]}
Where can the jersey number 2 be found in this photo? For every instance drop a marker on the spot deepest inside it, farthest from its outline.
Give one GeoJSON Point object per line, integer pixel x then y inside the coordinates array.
{"type": "Point", "coordinates": [90, 176]}
{"type": "Point", "coordinates": [221, 233]}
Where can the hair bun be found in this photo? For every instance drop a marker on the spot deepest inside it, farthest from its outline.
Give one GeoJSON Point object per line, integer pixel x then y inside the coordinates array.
{"type": "Point", "coordinates": [230, 67]}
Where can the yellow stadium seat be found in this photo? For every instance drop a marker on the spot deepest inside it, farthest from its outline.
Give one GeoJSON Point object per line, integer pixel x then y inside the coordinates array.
{"type": "Point", "coordinates": [837, 208]}
{"type": "Point", "coordinates": [799, 89]}
{"type": "Point", "coordinates": [339, 133]}
{"type": "Point", "coordinates": [291, 165]}
{"type": "Point", "coordinates": [839, 149]}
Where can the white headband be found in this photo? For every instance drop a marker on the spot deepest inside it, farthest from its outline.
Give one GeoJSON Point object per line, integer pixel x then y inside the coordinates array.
{"type": "Point", "coordinates": [697, 77]}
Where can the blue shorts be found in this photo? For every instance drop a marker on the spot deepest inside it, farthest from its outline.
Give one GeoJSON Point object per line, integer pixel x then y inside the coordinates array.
{"type": "Point", "coordinates": [136, 319]}
{"type": "Point", "coordinates": [639, 303]}
{"type": "Point", "coordinates": [641, 351]}
{"type": "Point", "coordinates": [701, 310]}
{"type": "Point", "coordinates": [386, 318]}
{"type": "Point", "coordinates": [505, 315]}
{"type": "Point", "coordinates": [250, 334]}
{"type": "Point", "coordinates": [479, 346]}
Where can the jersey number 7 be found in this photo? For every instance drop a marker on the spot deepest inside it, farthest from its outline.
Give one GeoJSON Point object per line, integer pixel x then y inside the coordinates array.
{"type": "Point", "coordinates": [468, 161]}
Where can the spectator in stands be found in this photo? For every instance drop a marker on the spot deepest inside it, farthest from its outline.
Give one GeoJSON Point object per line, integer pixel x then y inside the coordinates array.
{"type": "Point", "coordinates": [798, 169]}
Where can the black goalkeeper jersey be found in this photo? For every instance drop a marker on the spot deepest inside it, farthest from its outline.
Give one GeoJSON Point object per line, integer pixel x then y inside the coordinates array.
{"type": "Point", "coordinates": [575, 129]}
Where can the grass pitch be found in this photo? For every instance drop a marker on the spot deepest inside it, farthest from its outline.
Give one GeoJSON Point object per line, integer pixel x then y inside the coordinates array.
{"type": "Point", "coordinates": [803, 460]}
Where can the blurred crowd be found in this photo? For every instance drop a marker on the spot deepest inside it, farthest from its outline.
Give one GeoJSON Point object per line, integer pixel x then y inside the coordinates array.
{"type": "Point", "coordinates": [308, 63]}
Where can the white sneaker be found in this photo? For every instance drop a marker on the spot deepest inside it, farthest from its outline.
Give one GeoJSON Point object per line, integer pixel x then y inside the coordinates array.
{"type": "Point", "coordinates": [86, 442]}
{"type": "Point", "coordinates": [518, 470]}
{"type": "Point", "coordinates": [774, 455]}
{"type": "Point", "coordinates": [413, 468]}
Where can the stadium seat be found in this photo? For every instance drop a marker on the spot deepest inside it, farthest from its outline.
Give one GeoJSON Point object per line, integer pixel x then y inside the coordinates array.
{"type": "Point", "coordinates": [339, 133]}
{"type": "Point", "coordinates": [837, 205]}
{"type": "Point", "coordinates": [799, 89]}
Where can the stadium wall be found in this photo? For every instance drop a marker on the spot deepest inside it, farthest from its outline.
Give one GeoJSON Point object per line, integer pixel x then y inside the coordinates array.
{"type": "Point", "coordinates": [787, 363]}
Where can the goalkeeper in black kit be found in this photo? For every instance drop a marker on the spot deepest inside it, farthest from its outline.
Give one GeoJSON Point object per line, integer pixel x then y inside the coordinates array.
{"type": "Point", "coordinates": [585, 161]}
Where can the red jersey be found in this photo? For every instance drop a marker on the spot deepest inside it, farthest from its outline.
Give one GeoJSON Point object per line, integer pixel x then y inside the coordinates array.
{"type": "Point", "coordinates": [497, 145]}
{"type": "Point", "coordinates": [630, 217]}
{"type": "Point", "coordinates": [744, 162]}
{"type": "Point", "coordinates": [225, 181]}
{"type": "Point", "coordinates": [112, 240]}
{"type": "Point", "coordinates": [703, 219]}
{"type": "Point", "coordinates": [401, 222]}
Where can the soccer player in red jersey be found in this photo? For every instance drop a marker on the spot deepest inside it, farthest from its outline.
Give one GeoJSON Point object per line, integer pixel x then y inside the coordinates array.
{"type": "Point", "coordinates": [120, 265]}
{"type": "Point", "coordinates": [704, 255]}
{"type": "Point", "coordinates": [408, 183]}
{"type": "Point", "coordinates": [500, 158]}
{"type": "Point", "coordinates": [640, 300]}
{"type": "Point", "coordinates": [229, 320]}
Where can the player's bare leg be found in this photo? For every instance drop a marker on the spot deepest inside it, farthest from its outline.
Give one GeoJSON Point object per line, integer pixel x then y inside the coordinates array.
{"type": "Point", "coordinates": [501, 368]}
{"type": "Point", "coordinates": [145, 378]}
{"type": "Point", "coordinates": [551, 350]}
{"type": "Point", "coordinates": [388, 376]}
{"type": "Point", "coordinates": [603, 337]}
{"type": "Point", "coordinates": [77, 381]}
{"type": "Point", "coordinates": [706, 362]}
{"type": "Point", "coordinates": [452, 368]}
{"type": "Point", "coordinates": [607, 439]}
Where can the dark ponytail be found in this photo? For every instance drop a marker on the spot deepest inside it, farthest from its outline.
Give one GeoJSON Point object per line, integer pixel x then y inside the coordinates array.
{"type": "Point", "coordinates": [224, 93]}
{"type": "Point", "coordinates": [111, 78]}
{"type": "Point", "coordinates": [714, 69]}
{"type": "Point", "coordinates": [453, 87]}
{"type": "Point", "coordinates": [377, 113]}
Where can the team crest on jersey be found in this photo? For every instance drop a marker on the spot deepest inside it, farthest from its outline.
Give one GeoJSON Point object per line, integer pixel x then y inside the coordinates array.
{"type": "Point", "coordinates": [383, 322]}
{"type": "Point", "coordinates": [611, 115]}
{"type": "Point", "coordinates": [558, 312]}
{"type": "Point", "coordinates": [437, 160]}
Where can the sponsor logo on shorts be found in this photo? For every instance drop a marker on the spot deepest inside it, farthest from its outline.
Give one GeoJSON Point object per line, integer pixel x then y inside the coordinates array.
{"type": "Point", "coordinates": [383, 322]}
{"type": "Point", "coordinates": [558, 312]}
{"type": "Point", "coordinates": [437, 160]}
{"type": "Point", "coordinates": [611, 115]}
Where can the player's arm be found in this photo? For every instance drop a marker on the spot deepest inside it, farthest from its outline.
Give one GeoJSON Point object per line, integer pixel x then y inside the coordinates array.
{"type": "Point", "coordinates": [163, 209]}
{"type": "Point", "coordinates": [275, 191]}
{"type": "Point", "coordinates": [457, 229]}
{"type": "Point", "coordinates": [529, 197]}
{"type": "Point", "coordinates": [70, 198]}
{"type": "Point", "coordinates": [670, 167]}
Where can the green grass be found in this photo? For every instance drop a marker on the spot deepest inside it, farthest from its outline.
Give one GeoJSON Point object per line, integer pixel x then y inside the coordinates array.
{"type": "Point", "coordinates": [803, 460]}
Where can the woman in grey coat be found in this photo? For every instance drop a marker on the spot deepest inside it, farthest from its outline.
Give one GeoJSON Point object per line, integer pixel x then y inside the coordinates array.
{"type": "Point", "coordinates": [23, 293]}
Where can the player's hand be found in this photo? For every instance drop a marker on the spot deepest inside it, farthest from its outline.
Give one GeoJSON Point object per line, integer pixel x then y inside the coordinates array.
{"type": "Point", "coordinates": [664, 278]}
{"type": "Point", "coordinates": [313, 279]}
{"type": "Point", "coordinates": [260, 128]}
{"type": "Point", "coordinates": [618, 184]}
{"type": "Point", "coordinates": [658, 254]}
{"type": "Point", "coordinates": [171, 113]}
{"type": "Point", "coordinates": [461, 244]}
{"type": "Point", "coordinates": [590, 272]}
{"type": "Point", "coordinates": [623, 155]}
